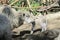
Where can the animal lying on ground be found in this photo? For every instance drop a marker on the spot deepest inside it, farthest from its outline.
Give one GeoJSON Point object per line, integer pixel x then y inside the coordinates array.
{"type": "Point", "coordinates": [15, 18]}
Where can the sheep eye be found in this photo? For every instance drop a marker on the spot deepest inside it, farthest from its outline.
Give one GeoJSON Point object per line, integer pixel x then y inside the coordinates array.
{"type": "Point", "coordinates": [23, 14]}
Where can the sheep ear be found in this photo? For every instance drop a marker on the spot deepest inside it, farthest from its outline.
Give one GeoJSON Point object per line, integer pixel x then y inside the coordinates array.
{"type": "Point", "coordinates": [52, 34]}
{"type": "Point", "coordinates": [6, 10]}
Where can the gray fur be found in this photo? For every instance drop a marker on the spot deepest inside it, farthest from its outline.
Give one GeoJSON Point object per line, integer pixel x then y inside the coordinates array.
{"type": "Point", "coordinates": [15, 18]}
{"type": "Point", "coordinates": [5, 28]}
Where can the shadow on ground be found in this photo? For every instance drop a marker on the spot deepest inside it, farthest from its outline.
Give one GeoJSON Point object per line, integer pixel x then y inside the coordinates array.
{"type": "Point", "coordinates": [37, 35]}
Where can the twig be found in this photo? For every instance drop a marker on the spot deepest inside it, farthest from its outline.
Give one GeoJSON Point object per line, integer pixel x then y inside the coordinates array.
{"type": "Point", "coordinates": [29, 5]}
{"type": "Point", "coordinates": [14, 2]}
{"type": "Point", "coordinates": [25, 7]}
